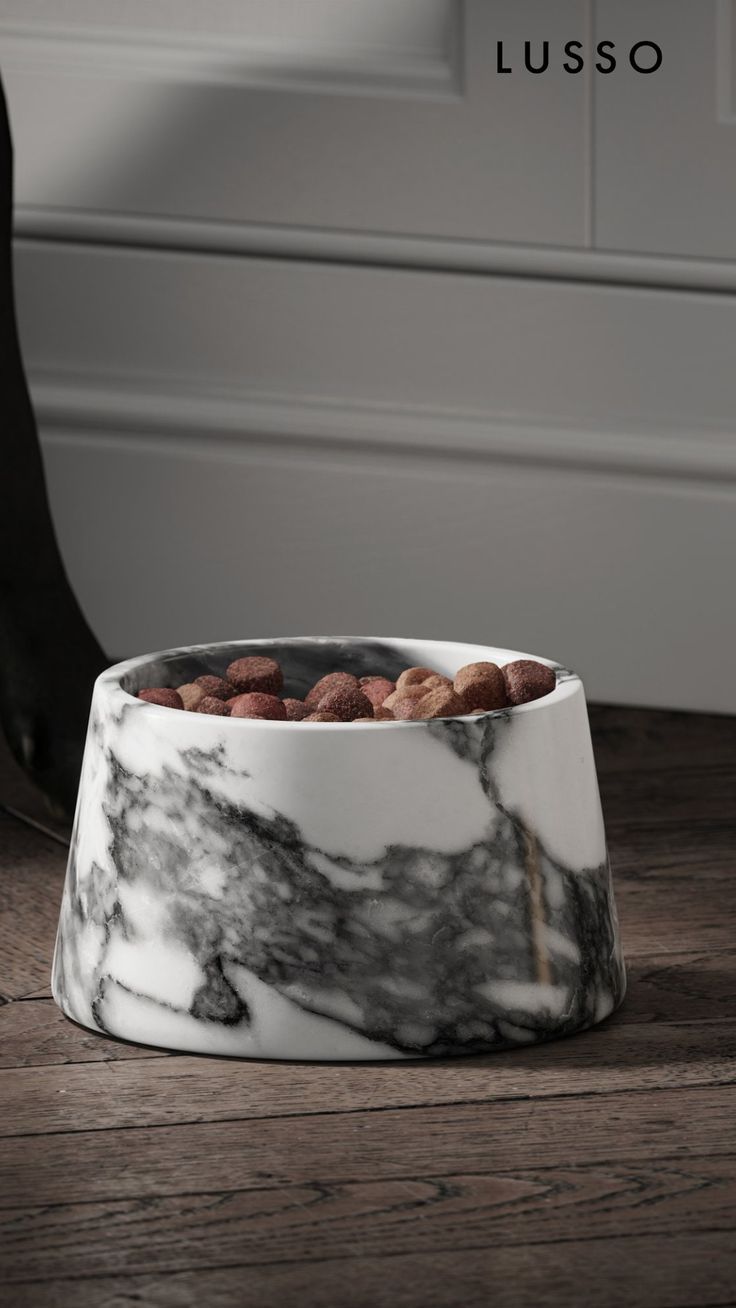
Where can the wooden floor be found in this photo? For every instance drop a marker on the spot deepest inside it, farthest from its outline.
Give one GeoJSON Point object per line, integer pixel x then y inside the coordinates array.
{"type": "Point", "coordinates": [597, 1171]}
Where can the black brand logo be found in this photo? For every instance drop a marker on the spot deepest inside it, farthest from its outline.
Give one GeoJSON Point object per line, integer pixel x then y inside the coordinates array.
{"type": "Point", "coordinates": [644, 57]}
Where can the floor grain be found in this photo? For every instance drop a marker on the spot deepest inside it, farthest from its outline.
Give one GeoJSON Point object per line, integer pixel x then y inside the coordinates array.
{"type": "Point", "coordinates": [597, 1171]}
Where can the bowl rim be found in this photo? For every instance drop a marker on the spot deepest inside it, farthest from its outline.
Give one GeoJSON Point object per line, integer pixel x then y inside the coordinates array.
{"type": "Point", "coordinates": [568, 682]}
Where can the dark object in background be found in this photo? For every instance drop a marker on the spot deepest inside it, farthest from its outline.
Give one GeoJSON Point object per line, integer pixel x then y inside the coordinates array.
{"type": "Point", "coordinates": [48, 655]}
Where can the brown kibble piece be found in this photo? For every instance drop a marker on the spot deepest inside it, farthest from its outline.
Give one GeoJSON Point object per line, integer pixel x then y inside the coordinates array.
{"type": "Point", "coordinates": [347, 703]}
{"type": "Point", "coordinates": [403, 707]}
{"type": "Point", "coordinates": [481, 686]}
{"type": "Point", "coordinates": [436, 682]}
{"type": "Point", "coordinates": [440, 703]}
{"type": "Point", "coordinates": [327, 683]}
{"type": "Point", "coordinates": [409, 692]}
{"type": "Point", "coordinates": [296, 710]}
{"type": "Point", "coordinates": [217, 687]}
{"type": "Point", "coordinates": [322, 717]}
{"type": "Point", "coordinates": [365, 720]}
{"type": "Point", "coordinates": [191, 695]}
{"type": "Point", "coordinates": [527, 680]}
{"type": "Point", "coordinates": [216, 707]}
{"type": "Point", "coordinates": [413, 677]}
{"type": "Point", "coordinates": [254, 704]}
{"type": "Point", "coordinates": [382, 714]}
{"type": "Point", "coordinates": [378, 689]}
{"type": "Point", "coordinates": [163, 696]}
{"type": "Point", "coordinates": [256, 673]}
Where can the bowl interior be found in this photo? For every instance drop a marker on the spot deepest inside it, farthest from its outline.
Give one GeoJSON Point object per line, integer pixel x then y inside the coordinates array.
{"type": "Point", "coordinates": [305, 659]}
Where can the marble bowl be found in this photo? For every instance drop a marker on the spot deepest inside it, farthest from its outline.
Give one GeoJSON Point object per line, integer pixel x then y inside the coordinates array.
{"type": "Point", "coordinates": [336, 891]}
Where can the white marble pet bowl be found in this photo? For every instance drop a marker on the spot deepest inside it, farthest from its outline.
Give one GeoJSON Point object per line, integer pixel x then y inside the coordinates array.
{"type": "Point", "coordinates": [336, 891]}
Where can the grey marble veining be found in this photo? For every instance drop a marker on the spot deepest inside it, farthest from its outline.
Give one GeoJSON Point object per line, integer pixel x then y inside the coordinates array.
{"type": "Point", "coordinates": [332, 891]}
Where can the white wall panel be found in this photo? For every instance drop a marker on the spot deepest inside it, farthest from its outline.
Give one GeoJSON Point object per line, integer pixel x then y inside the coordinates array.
{"type": "Point", "coordinates": [564, 357]}
{"type": "Point", "coordinates": [627, 580]}
{"type": "Point", "coordinates": [403, 127]}
{"type": "Point", "coordinates": [243, 446]}
{"type": "Point", "coordinates": [331, 440]}
{"type": "Point", "coordinates": [665, 144]}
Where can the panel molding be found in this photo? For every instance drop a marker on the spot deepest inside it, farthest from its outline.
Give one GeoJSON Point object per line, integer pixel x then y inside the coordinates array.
{"type": "Point", "coordinates": [114, 407]}
{"type": "Point", "coordinates": [526, 463]}
{"type": "Point", "coordinates": [428, 67]}
{"type": "Point", "coordinates": [374, 249]}
{"type": "Point", "coordinates": [619, 374]}
{"type": "Point", "coordinates": [622, 578]}
{"type": "Point", "coordinates": [402, 126]}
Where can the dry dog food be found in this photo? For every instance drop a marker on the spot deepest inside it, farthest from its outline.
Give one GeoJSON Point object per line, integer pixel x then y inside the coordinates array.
{"type": "Point", "coordinates": [251, 689]}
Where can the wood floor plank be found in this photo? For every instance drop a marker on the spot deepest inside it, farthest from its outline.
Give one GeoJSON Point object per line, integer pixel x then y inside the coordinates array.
{"type": "Point", "coordinates": [382, 1217]}
{"type": "Point", "coordinates": [680, 987]}
{"type": "Point", "coordinates": [665, 857]}
{"type": "Point", "coordinates": [37, 1034]}
{"type": "Point", "coordinates": [661, 914]}
{"type": "Point", "coordinates": [660, 1271]}
{"type": "Point", "coordinates": [109, 1095]}
{"type": "Point", "coordinates": [655, 798]}
{"type": "Point", "coordinates": [687, 987]}
{"type": "Point", "coordinates": [596, 1171]}
{"type": "Point", "coordinates": [627, 739]}
{"type": "Point", "coordinates": [663, 909]}
{"type": "Point", "coordinates": [669, 903]}
{"type": "Point", "coordinates": [679, 851]}
{"type": "Point", "coordinates": [31, 882]}
{"type": "Point", "coordinates": [127, 1163]}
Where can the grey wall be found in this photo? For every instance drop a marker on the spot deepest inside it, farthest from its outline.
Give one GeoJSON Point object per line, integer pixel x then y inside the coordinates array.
{"type": "Point", "coordinates": [331, 328]}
